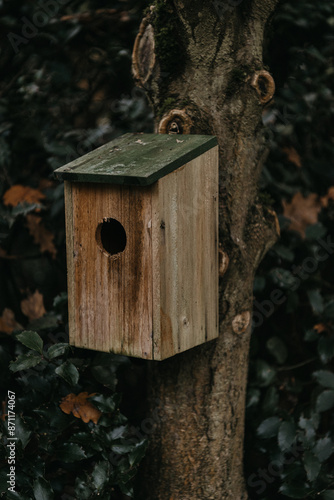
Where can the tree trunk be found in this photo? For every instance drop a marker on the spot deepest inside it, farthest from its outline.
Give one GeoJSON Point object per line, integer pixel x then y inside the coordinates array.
{"type": "Point", "coordinates": [201, 65]}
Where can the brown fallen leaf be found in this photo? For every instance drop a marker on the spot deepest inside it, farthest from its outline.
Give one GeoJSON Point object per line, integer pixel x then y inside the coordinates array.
{"type": "Point", "coordinates": [320, 327]}
{"type": "Point", "coordinates": [80, 407]}
{"type": "Point", "coordinates": [302, 211]}
{"type": "Point", "coordinates": [22, 194]}
{"type": "Point", "coordinates": [329, 196]}
{"type": "Point", "coordinates": [42, 236]}
{"type": "Point", "coordinates": [33, 306]}
{"type": "Point", "coordinates": [293, 156]}
{"type": "Point", "coordinates": [8, 322]}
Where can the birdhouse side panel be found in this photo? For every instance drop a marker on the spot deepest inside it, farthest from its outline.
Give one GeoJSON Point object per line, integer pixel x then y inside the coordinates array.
{"type": "Point", "coordinates": [110, 268]}
{"type": "Point", "coordinates": [185, 242]}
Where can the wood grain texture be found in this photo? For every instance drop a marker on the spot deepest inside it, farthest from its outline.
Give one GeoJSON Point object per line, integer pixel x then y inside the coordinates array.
{"type": "Point", "coordinates": [112, 294]}
{"type": "Point", "coordinates": [159, 296]}
{"type": "Point", "coordinates": [136, 159]}
{"type": "Point", "coordinates": [187, 250]}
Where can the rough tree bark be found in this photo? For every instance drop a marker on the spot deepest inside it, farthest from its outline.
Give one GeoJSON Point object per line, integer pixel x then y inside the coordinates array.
{"type": "Point", "coordinates": [200, 63]}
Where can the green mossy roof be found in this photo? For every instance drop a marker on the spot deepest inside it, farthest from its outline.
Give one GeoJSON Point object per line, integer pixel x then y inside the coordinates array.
{"type": "Point", "coordinates": [139, 159]}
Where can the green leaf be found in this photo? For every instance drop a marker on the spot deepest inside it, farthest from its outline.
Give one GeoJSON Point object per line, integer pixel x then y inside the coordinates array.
{"type": "Point", "coordinates": [42, 489]}
{"type": "Point", "coordinates": [68, 372]}
{"type": "Point", "coordinates": [57, 350]}
{"type": "Point", "coordinates": [329, 310]}
{"type": "Point", "coordinates": [328, 495]}
{"type": "Point", "coordinates": [127, 489]}
{"type": "Point", "coordinates": [316, 301]}
{"type": "Point", "coordinates": [325, 401]}
{"type": "Point", "coordinates": [277, 349]}
{"type": "Point", "coordinates": [324, 378]}
{"type": "Point", "coordinates": [286, 435]}
{"type": "Point", "coordinates": [138, 453]}
{"type": "Point", "coordinates": [70, 452]}
{"type": "Point", "coordinates": [32, 340]}
{"type": "Point", "coordinates": [265, 373]}
{"type": "Point", "coordinates": [104, 403]}
{"type": "Point", "coordinates": [294, 490]}
{"type": "Point", "coordinates": [324, 448]}
{"type": "Point", "coordinates": [326, 349]}
{"type": "Point", "coordinates": [25, 361]}
{"type": "Point", "coordinates": [82, 490]}
{"type": "Point", "coordinates": [309, 427]}
{"type": "Point", "coordinates": [268, 428]}
{"type": "Point", "coordinates": [122, 449]}
{"type": "Point", "coordinates": [22, 431]}
{"type": "Point", "coordinates": [270, 401]}
{"type": "Point", "coordinates": [311, 335]}
{"type": "Point", "coordinates": [312, 466]}
{"type": "Point", "coordinates": [253, 397]}
{"type": "Point", "coordinates": [100, 475]}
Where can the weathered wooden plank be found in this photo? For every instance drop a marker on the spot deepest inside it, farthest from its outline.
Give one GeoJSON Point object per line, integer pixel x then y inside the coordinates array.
{"type": "Point", "coordinates": [186, 229]}
{"type": "Point", "coordinates": [112, 293]}
{"type": "Point", "coordinates": [69, 258]}
{"type": "Point", "coordinates": [136, 159]}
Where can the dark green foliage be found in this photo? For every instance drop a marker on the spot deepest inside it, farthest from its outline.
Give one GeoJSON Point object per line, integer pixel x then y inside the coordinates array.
{"type": "Point", "coordinates": [290, 426]}
{"type": "Point", "coordinates": [65, 90]}
{"type": "Point", "coordinates": [56, 452]}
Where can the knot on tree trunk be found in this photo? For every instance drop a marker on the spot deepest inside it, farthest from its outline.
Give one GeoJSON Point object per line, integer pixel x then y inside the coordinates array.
{"type": "Point", "coordinates": [176, 121]}
{"type": "Point", "coordinates": [143, 55]}
{"type": "Point", "coordinates": [264, 84]}
{"type": "Point", "coordinates": [224, 261]}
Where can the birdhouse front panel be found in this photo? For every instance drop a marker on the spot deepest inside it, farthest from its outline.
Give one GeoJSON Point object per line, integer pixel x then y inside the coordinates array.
{"type": "Point", "coordinates": [142, 245]}
{"type": "Point", "coordinates": [109, 256]}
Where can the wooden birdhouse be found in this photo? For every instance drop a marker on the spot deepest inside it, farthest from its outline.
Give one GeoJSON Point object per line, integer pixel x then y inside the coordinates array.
{"type": "Point", "coordinates": [142, 245]}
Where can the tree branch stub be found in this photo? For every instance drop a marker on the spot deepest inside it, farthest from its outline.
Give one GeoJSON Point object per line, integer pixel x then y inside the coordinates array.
{"type": "Point", "coordinates": [176, 121]}
{"type": "Point", "coordinates": [264, 84]}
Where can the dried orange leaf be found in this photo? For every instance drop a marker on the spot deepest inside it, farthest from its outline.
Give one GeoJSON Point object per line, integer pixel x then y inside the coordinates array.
{"type": "Point", "coordinates": [320, 327]}
{"type": "Point", "coordinates": [33, 306]}
{"type": "Point", "coordinates": [42, 236]}
{"type": "Point", "coordinates": [293, 156]}
{"type": "Point", "coordinates": [302, 211]}
{"type": "Point", "coordinates": [8, 322]}
{"type": "Point", "coordinates": [80, 407]}
{"type": "Point", "coordinates": [329, 196]}
{"type": "Point", "coordinates": [22, 194]}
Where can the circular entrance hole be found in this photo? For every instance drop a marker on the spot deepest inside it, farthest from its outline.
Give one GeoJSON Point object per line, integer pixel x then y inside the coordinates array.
{"type": "Point", "coordinates": [111, 236]}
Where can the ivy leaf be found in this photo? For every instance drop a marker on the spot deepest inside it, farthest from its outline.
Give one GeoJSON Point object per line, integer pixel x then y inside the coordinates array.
{"type": "Point", "coordinates": [57, 350]}
{"type": "Point", "coordinates": [277, 349]}
{"type": "Point", "coordinates": [316, 301]}
{"type": "Point", "coordinates": [104, 403]}
{"type": "Point", "coordinates": [100, 475]}
{"type": "Point", "coordinates": [268, 428]}
{"type": "Point", "coordinates": [325, 401]}
{"type": "Point", "coordinates": [294, 490]}
{"type": "Point", "coordinates": [323, 449]}
{"type": "Point", "coordinates": [25, 361]}
{"type": "Point", "coordinates": [42, 489]}
{"type": "Point", "coordinates": [21, 430]}
{"type": "Point", "coordinates": [82, 490]}
{"type": "Point", "coordinates": [68, 372]}
{"type": "Point", "coordinates": [70, 452]}
{"type": "Point", "coordinates": [138, 453]}
{"type": "Point", "coordinates": [286, 435]}
{"type": "Point", "coordinates": [32, 340]}
{"type": "Point", "coordinates": [312, 466]}
{"type": "Point", "coordinates": [324, 378]}
{"type": "Point", "coordinates": [326, 349]}
{"type": "Point", "coordinates": [265, 373]}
